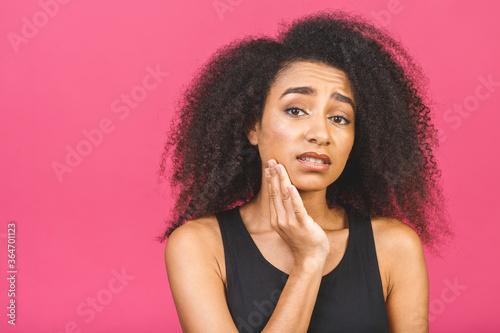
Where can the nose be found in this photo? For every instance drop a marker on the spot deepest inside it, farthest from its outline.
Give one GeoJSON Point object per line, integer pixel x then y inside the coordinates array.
{"type": "Point", "coordinates": [317, 131]}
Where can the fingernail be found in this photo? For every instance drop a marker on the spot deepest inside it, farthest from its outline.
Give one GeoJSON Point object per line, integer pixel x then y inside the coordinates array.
{"type": "Point", "coordinates": [266, 172]}
{"type": "Point", "coordinates": [278, 169]}
{"type": "Point", "coordinates": [271, 164]}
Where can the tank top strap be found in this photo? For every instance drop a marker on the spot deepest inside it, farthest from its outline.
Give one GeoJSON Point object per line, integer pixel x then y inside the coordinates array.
{"type": "Point", "coordinates": [234, 236]}
{"type": "Point", "coordinates": [361, 236]}
{"type": "Point", "coordinates": [239, 246]}
{"type": "Point", "coordinates": [252, 286]}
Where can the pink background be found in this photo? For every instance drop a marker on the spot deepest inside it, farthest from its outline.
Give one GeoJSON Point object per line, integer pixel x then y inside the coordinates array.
{"type": "Point", "coordinates": [66, 75]}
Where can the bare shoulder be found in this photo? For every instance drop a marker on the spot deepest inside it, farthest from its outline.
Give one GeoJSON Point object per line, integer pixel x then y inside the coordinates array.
{"type": "Point", "coordinates": [203, 230]}
{"type": "Point", "coordinates": [399, 252]}
{"type": "Point", "coordinates": [404, 274]}
{"type": "Point", "coordinates": [200, 238]}
{"type": "Point", "coordinates": [395, 238]}
{"type": "Point", "coordinates": [193, 262]}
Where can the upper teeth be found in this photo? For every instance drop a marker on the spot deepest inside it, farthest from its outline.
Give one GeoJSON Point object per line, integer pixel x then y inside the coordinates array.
{"type": "Point", "coordinates": [313, 160]}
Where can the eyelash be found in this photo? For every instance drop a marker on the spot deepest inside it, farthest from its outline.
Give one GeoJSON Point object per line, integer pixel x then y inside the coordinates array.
{"type": "Point", "coordinates": [347, 122]}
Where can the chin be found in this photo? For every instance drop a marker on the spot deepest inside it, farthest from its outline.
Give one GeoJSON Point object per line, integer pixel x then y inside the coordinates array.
{"type": "Point", "coordinates": [310, 185]}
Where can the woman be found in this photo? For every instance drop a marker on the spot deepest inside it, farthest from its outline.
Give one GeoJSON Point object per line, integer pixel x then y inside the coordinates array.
{"type": "Point", "coordinates": [297, 160]}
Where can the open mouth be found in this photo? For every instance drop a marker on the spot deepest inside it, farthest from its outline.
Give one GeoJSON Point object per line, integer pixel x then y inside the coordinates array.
{"type": "Point", "coordinates": [314, 157]}
{"type": "Point", "coordinates": [313, 160]}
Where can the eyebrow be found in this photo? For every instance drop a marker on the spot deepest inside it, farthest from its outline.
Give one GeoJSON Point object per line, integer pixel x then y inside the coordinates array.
{"type": "Point", "coordinates": [311, 91]}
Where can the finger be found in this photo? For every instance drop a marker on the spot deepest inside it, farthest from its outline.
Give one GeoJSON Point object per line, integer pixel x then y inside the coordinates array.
{"type": "Point", "coordinates": [271, 163]}
{"type": "Point", "coordinates": [272, 212]}
{"type": "Point", "coordinates": [298, 206]}
{"type": "Point", "coordinates": [275, 196]}
{"type": "Point", "coordinates": [285, 194]}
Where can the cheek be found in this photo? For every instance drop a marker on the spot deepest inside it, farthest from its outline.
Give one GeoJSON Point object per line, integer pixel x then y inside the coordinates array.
{"type": "Point", "coordinates": [349, 144]}
{"type": "Point", "coordinates": [277, 132]}
{"type": "Point", "coordinates": [275, 142]}
{"type": "Point", "coordinates": [346, 141]}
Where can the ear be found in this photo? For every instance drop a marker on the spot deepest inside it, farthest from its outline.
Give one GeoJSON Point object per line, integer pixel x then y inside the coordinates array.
{"type": "Point", "coordinates": [253, 134]}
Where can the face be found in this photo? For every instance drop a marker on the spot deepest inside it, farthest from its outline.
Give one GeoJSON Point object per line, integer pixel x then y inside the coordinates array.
{"type": "Point", "coordinates": [308, 124]}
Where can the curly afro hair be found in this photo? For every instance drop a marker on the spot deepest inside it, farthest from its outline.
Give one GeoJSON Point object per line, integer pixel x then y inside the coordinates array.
{"type": "Point", "coordinates": [391, 170]}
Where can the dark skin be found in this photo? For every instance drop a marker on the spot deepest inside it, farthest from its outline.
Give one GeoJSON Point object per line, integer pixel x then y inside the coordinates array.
{"type": "Point", "coordinates": [292, 225]}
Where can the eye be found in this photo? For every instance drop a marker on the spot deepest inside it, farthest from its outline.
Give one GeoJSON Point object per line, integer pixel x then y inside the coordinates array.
{"type": "Point", "coordinates": [294, 111]}
{"type": "Point", "coordinates": [340, 120]}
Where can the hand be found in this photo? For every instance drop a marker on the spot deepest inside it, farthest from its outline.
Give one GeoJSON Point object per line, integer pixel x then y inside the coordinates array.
{"type": "Point", "coordinates": [289, 217]}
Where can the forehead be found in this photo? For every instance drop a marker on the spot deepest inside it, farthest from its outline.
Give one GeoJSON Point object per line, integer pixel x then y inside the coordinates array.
{"type": "Point", "coordinates": [312, 73]}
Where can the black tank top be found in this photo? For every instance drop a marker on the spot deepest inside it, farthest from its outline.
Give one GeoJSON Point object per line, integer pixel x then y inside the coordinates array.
{"type": "Point", "coordinates": [350, 298]}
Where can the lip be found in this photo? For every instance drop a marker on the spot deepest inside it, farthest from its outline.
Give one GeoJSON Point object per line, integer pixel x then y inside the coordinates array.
{"type": "Point", "coordinates": [314, 166]}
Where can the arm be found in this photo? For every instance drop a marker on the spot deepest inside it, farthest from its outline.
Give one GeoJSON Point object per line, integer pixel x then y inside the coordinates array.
{"type": "Point", "coordinates": [408, 299]}
{"type": "Point", "coordinates": [296, 303]}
